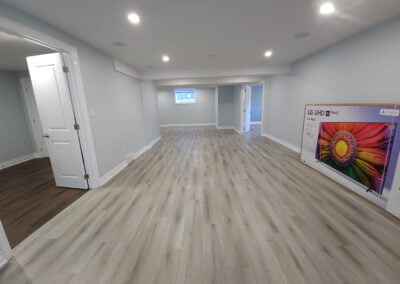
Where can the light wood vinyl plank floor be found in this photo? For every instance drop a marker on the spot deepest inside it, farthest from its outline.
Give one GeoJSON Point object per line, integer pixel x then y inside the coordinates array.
{"type": "Point", "coordinates": [211, 206]}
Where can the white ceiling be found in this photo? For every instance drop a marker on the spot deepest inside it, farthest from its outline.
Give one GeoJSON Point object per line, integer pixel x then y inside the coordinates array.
{"type": "Point", "coordinates": [14, 50]}
{"type": "Point", "coordinates": [190, 31]}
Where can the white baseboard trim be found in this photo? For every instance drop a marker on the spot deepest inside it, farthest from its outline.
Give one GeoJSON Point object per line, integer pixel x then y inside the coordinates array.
{"type": "Point", "coordinates": [229, 127]}
{"type": "Point", "coordinates": [282, 142]}
{"type": "Point", "coordinates": [16, 161]}
{"type": "Point", "coordinates": [225, 127]}
{"type": "Point", "coordinates": [154, 141]}
{"type": "Point", "coordinates": [255, 122]}
{"type": "Point", "coordinates": [40, 155]}
{"type": "Point", "coordinates": [187, 125]}
{"type": "Point", "coordinates": [5, 249]}
{"type": "Point", "coordinates": [129, 159]}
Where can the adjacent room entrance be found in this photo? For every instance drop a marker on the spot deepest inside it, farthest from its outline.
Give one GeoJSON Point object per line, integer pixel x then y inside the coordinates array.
{"type": "Point", "coordinates": [252, 107]}
{"type": "Point", "coordinates": [42, 169]}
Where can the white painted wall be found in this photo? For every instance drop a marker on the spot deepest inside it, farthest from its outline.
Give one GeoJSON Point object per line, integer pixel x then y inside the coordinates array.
{"type": "Point", "coordinates": [15, 138]}
{"type": "Point", "coordinates": [237, 108]}
{"type": "Point", "coordinates": [150, 110]}
{"type": "Point", "coordinates": [362, 69]}
{"type": "Point", "coordinates": [201, 112]}
{"type": "Point", "coordinates": [114, 99]}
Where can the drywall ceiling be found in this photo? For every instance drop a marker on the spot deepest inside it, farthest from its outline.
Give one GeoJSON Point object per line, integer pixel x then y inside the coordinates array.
{"type": "Point", "coordinates": [208, 36]}
{"type": "Point", "coordinates": [14, 50]}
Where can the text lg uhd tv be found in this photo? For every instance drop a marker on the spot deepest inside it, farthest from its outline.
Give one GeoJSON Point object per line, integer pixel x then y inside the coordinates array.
{"type": "Point", "coordinates": [360, 151]}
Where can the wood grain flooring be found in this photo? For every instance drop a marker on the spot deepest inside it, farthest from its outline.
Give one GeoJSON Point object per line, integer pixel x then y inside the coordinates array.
{"type": "Point", "coordinates": [211, 206]}
{"type": "Point", "coordinates": [29, 198]}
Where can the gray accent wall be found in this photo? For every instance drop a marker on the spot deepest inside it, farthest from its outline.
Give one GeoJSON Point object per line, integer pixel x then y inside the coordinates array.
{"type": "Point", "coordinates": [361, 69]}
{"type": "Point", "coordinates": [15, 138]}
{"type": "Point", "coordinates": [201, 112]}
{"type": "Point", "coordinates": [226, 106]}
{"type": "Point", "coordinates": [229, 107]}
{"type": "Point", "coordinates": [118, 126]}
{"type": "Point", "coordinates": [256, 103]}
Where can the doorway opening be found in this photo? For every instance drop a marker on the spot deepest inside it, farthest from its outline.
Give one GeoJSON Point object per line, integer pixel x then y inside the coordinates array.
{"type": "Point", "coordinates": [252, 108]}
{"type": "Point", "coordinates": [42, 165]}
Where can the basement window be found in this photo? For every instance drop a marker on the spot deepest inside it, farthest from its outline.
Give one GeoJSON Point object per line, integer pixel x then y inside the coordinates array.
{"type": "Point", "coordinates": [185, 96]}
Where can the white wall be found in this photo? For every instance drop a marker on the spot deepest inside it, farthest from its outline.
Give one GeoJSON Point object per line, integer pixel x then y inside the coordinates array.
{"type": "Point", "coordinates": [237, 94]}
{"type": "Point", "coordinates": [150, 110]}
{"type": "Point", "coordinates": [362, 69]}
{"type": "Point", "coordinates": [15, 138]}
{"type": "Point", "coordinates": [201, 112]}
{"type": "Point", "coordinates": [118, 127]}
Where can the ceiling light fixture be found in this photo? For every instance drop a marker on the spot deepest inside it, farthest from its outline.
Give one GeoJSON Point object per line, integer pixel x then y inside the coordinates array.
{"type": "Point", "coordinates": [268, 53]}
{"type": "Point", "coordinates": [327, 8]}
{"type": "Point", "coordinates": [165, 58]}
{"type": "Point", "coordinates": [134, 18]}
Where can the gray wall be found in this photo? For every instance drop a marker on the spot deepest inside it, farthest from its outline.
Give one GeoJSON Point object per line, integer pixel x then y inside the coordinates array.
{"type": "Point", "coordinates": [15, 138]}
{"type": "Point", "coordinates": [150, 110]}
{"type": "Point", "coordinates": [226, 106]}
{"type": "Point", "coordinates": [118, 127]}
{"type": "Point", "coordinates": [203, 111]}
{"type": "Point", "coordinates": [362, 69]}
{"type": "Point", "coordinates": [256, 103]}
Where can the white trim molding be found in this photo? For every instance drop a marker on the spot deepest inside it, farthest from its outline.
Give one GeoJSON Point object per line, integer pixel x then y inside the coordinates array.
{"type": "Point", "coordinates": [5, 249]}
{"type": "Point", "coordinates": [188, 125]}
{"type": "Point", "coordinates": [282, 142]}
{"type": "Point", "coordinates": [17, 161]}
{"type": "Point", "coordinates": [230, 128]}
{"type": "Point", "coordinates": [129, 159]}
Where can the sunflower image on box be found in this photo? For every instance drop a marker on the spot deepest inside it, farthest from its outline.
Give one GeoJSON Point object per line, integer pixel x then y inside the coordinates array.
{"type": "Point", "coordinates": [360, 151]}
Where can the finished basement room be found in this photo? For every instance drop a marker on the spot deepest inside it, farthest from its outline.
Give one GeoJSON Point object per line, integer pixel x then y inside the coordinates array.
{"type": "Point", "coordinates": [199, 142]}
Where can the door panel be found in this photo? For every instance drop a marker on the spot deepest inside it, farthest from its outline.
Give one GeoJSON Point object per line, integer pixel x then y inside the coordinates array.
{"type": "Point", "coordinates": [55, 109]}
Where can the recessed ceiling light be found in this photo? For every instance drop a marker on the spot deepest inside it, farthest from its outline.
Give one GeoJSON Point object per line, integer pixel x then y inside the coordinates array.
{"type": "Point", "coordinates": [327, 8]}
{"type": "Point", "coordinates": [165, 58]}
{"type": "Point", "coordinates": [268, 53]}
{"type": "Point", "coordinates": [119, 44]}
{"type": "Point", "coordinates": [134, 18]}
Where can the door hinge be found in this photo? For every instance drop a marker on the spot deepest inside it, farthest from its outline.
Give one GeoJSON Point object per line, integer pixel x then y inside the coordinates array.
{"type": "Point", "coordinates": [65, 69]}
{"type": "Point", "coordinates": [76, 126]}
{"type": "Point", "coordinates": [86, 176]}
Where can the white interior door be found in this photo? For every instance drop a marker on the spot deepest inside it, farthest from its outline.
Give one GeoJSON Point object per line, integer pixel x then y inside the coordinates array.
{"type": "Point", "coordinates": [5, 250]}
{"type": "Point", "coordinates": [247, 108]}
{"type": "Point", "coordinates": [53, 99]}
{"type": "Point", "coordinates": [34, 119]}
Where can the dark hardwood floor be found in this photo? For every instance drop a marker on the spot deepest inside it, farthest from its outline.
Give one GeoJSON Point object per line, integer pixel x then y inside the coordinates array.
{"type": "Point", "coordinates": [29, 198]}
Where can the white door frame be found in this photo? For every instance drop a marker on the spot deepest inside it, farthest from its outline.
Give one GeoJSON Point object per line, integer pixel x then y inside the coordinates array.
{"type": "Point", "coordinates": [78, 98]}
{"type": "Point", "coordinates": [262, 83]}
{"type": "Point", "coordinates": [36, 136]}
{"type": "Point", "coordinates": [5, 249]}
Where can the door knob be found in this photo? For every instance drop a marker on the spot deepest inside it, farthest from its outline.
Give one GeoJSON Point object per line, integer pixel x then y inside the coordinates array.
{"type": "Point", "coordinates": [46, 136]}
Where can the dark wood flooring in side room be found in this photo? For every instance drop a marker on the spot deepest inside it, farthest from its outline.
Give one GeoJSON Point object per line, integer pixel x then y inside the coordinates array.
{"type": "Point", "coordinates": [29, 198]}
